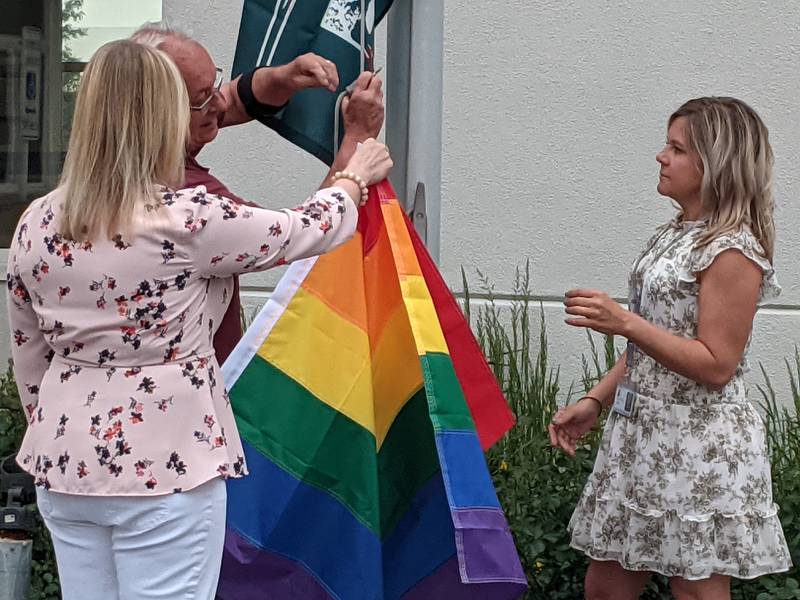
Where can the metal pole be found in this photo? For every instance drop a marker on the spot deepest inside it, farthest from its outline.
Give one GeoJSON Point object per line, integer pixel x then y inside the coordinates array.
{"type": "Point", "coordinates": [414, 124]}
{"type": "Point", "coordinates": [398, 74]}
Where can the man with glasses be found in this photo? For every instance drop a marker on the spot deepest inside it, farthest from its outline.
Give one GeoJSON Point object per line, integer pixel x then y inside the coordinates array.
{"type": "Point", "coordinates": [253, 95]}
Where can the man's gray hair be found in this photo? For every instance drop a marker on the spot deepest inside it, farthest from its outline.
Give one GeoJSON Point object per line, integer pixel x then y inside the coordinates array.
{"type": "Point", "coordinates": [156, 33]}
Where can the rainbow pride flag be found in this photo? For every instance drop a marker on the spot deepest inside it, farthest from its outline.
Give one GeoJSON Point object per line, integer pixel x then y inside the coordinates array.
{"type": "Point", "coordinates": [364, 405]}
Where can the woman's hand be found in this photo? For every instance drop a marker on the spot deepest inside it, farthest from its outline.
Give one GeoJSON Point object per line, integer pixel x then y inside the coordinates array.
{"type": "Point", "coordinates": [371, 161]}
{"type": "Point", "coordinates": [572, 422]}
{"type": "Point", "coordinates": [597, 311]}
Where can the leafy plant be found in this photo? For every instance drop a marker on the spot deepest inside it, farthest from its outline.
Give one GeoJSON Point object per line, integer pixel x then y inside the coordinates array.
{"type": "Point", "coordinates": [12, 417]}
{"type": "Point", "coordinates": [44, 574]}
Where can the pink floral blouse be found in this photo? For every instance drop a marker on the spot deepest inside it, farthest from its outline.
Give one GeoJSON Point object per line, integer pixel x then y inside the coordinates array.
{"type": "Point", "coordinates": [112, 339]}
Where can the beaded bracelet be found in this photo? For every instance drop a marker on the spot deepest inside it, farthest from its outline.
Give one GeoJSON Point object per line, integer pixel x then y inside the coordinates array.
{"type": "Point", "coordinates": [357, 179]}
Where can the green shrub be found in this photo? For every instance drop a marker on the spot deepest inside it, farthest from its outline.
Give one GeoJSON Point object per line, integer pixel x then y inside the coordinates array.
{"type": "Point", "coordinates": [44, 575]}
{"type": "Point", "coordinates": [12, 417]}
{"type": "Point", "coordinates": [539, 487]}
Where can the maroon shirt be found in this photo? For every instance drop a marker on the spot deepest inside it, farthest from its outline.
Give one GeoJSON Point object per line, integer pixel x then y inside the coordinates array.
{"type": "Point", "coordinates": [230, 329]}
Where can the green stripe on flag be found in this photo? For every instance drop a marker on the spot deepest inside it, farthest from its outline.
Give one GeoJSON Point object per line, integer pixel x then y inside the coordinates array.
{"type": "Point", "coordinates": [307, 438]}
{"type": "Point", "coordinates": [448, 407]}
{"type": "Point", "coordinates": [322, 447]}
{"type": "Point", "coordinates": [407, 460]}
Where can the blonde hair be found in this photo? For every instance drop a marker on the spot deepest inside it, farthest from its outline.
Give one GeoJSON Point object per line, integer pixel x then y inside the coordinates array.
{"type": "Point", "coordinates": [733, 145]}
{"type": "Point", "coordinates": [128, 138]}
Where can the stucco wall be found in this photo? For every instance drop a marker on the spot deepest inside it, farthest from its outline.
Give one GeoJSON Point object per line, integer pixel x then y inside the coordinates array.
{"type": "Point", "coordinates": [553, 113]}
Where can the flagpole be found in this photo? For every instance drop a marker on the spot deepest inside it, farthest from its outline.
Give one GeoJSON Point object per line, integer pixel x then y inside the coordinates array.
{"type": "Point", "coordinates": [415, 57]}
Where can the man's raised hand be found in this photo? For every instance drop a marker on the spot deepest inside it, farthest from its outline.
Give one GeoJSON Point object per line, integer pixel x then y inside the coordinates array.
{"type": "Point", "coordinates": [310, 71]}
{"type": "Point", "coordinates": [363, 110]}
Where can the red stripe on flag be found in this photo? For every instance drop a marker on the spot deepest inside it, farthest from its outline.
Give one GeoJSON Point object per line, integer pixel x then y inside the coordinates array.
{"type": "Point", "coordinates": [490, 411]}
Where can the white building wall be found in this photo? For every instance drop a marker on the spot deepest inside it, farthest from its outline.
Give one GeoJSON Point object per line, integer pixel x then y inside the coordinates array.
{"type": "Point", "coordinates": [553, 113]}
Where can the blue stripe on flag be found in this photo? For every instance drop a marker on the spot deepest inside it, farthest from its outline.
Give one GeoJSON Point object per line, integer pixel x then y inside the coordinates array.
{"type": "Point", "coordinates": [466, 474]}
{"type": "Point", "coordinates": [277, 512]}
{"type": "Point", "coordinates": [423, 539]}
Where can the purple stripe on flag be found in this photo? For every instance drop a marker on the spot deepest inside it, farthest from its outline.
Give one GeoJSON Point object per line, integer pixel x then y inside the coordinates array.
{"type": "Point", "coordinates": [249, 568]}
{"type": "Point", "coordinates": [445, 582]}
{"type": "Point", "coordinates": [486, 547]}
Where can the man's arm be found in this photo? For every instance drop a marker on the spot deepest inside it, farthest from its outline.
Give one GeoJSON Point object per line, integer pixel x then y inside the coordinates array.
{"type": "Point", "coordinates": [363, 114]}
{"type": "Point", "coordinates": [274, 86]}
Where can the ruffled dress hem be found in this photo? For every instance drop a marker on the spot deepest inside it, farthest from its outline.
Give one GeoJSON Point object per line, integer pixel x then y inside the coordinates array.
{"type": "Point", "coordinates": [642, 539]}
{"type": "Point", "coordinates": [657, 567]}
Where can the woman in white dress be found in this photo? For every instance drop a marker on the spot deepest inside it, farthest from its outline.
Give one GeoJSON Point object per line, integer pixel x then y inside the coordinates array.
{"type": "Point", "coordinates": [682, 485]}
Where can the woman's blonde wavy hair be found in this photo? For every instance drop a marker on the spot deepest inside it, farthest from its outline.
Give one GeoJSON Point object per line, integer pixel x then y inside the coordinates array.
{"type": "Point", "coordinates": [733, 145]}
{"type": "Point", "coordinates": [128, 138]}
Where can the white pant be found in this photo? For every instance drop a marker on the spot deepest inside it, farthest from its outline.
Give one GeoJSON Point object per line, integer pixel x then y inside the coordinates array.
{"type": "Point", "coordinates": [138, 548]}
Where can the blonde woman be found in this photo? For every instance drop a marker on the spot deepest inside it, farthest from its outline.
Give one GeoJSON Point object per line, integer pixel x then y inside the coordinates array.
{"type": "Point", "coordinates": [108, 278]}
{"type": "Point", "coordinates": [681, 485]}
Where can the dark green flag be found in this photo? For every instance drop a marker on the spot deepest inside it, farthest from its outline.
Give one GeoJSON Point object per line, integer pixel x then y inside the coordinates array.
{"type": "Point", "coordinates": [274, 32]}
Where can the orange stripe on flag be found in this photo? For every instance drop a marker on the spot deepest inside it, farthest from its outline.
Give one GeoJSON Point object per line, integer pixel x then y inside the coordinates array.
{"type": "Point", "coordinates": [405, 258]}
{"type": "Point", "coordinates": [337, 280]}
{"type": "Point", "coordinates": [395, 378]}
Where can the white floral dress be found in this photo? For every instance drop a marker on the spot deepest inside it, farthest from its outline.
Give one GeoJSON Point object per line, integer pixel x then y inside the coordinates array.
{"type": "Point", "coordinates": [683, 486]}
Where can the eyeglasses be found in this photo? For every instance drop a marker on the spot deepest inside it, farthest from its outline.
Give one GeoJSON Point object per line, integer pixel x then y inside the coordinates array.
{"type": "Point", "coordinates": [217, 85]}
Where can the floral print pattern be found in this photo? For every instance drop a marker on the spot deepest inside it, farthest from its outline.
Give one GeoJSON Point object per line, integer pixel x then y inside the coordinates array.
{"type": "Point", "coordinates": [683, 486]}
{"type": "Point", "coordinates": [113, 338]}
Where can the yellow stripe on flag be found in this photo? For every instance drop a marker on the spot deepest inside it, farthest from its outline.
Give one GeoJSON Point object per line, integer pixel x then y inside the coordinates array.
{"type": "Point", "coordinates": [335, 366]}
{"type": "Point", "coordinates": [422, 315]}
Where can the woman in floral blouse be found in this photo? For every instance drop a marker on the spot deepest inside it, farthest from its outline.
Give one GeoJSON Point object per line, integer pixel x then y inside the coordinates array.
{"type": "Point", "coordinates": [108, 280]}
{"type": "Point", "coordinates": [681, 485]}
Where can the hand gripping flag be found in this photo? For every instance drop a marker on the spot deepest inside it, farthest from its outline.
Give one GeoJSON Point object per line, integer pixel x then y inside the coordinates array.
{"type": "Point", "coordinates": [274, 32]}
{"type": "Point", "coordinates": [364, 404]}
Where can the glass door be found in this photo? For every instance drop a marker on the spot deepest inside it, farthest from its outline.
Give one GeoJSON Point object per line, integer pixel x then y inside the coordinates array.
{"type": "Point", "coordinates": [8, 116]}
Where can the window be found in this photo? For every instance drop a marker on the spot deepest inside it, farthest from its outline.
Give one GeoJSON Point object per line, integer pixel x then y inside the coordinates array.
{"type": "Point", "coordinates": [87, 25]}
{"type": "Point", "coordinates": [44, 47]}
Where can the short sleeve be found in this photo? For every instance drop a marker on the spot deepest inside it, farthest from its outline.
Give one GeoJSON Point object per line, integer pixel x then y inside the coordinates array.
{"type": "Point", "coordinates": [745, 242]}
{"type": "Point", "coordinates": [226, 238]}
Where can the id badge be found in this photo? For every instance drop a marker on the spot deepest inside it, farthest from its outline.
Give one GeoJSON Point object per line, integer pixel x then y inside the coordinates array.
{"type": "Point", "coordinates": [624, 401]}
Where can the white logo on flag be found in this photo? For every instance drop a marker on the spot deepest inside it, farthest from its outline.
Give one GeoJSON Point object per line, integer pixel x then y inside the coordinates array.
{"type": "Point", "coordinates": [343, 19]}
